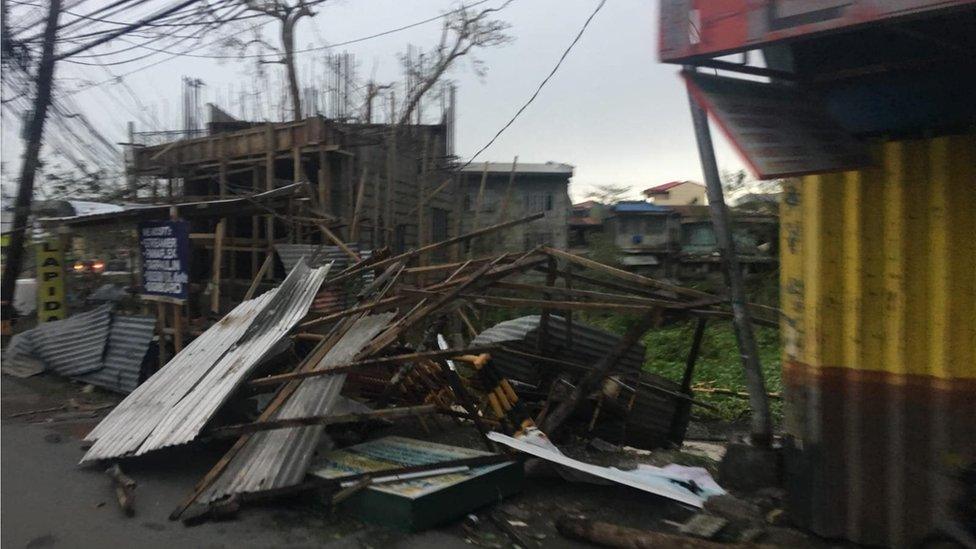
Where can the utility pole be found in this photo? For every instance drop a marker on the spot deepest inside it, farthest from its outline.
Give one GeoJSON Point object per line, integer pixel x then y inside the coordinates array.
{"type": "Point", "coordinates": [761, 427]}
{"type": "Point", "coordinates": [25, 191]}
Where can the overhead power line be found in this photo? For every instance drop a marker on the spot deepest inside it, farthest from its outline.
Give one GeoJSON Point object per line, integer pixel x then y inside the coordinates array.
{"type": "Point", "coordinates": [188, 52]}
{"type": "Point", "coordinates": [541, 85]}
{"type": "Point", "coordinates": [130, 28]}
{"type": "Point", "coordinates": [331, 46]}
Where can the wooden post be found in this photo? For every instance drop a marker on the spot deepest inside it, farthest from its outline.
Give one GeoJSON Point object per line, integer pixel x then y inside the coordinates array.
{"type": "Point", "coordinates": [680, 419]}
{"type": "Point", "coordinates": [568, 279]}
{"type": "Point", "coordinates": [215, 269]}
{"type": "Point", "coordinates": [177, 327]}
{"type": "Point", "coordinates": [543, 345]}
{"type": "Point", "coordinates": [421, 184]}
{"type": "Point", "coordinates": [761, 422]}
{"type": "Point", "coordinates": [374, 240]}
{"type": "Point", "coordinates": [590, 380]}
{"type": "Point", "coordinates": [269, 176]}
{"type": "Point", "coordinates": [458, 207]}
{"type": "Point", "coordinates": [389, 224]}
{"type": "Point", "coordinates": [325, 182]}
{"type": "Point", "coordinates": [296, 159]}
{"type": "Point", "coordinates": [161, 332]}
{"type": "Point", "coordinates": [255, 224]}
{"type": "Point", "coordinates": [223, 166]}
{"type": "Point", "coordinates": [507, 203]}
{"type": "Point", "coordinates": [360, 192]}
{"type": "Point", "coordinates": [478, 204]}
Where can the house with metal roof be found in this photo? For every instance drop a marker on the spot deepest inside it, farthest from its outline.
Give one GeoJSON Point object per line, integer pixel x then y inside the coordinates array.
{"type": "Point", "coordinates": [645, 234]}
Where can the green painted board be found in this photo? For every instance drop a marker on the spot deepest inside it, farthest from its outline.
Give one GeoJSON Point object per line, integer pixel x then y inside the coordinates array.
{"type": "Point", "coordinates": [420, 503]}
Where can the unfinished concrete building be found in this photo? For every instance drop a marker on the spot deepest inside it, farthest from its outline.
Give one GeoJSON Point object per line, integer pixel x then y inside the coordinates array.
{"type": "Point", "coordinates": [364, 184]}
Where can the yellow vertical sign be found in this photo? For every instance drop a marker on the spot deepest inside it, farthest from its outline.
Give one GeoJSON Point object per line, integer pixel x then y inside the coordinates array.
{"type": "Point", "coordinates": [50, 281]}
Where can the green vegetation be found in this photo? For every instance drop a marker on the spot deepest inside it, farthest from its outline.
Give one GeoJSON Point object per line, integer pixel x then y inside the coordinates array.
{"type": "Point", "coordinates": [718, 364]}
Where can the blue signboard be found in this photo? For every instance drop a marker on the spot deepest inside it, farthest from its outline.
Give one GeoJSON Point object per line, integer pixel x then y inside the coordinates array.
{"type": "Point", "coordinates": [165, 249]}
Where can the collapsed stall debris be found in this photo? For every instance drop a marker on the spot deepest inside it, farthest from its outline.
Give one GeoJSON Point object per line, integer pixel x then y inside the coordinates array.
{"type": "Point", "coordinates": [97, 347]}
{"type": "Point", "coordinates": [173, 406]}
{"type": "Point", "coordinates": [387, 353]}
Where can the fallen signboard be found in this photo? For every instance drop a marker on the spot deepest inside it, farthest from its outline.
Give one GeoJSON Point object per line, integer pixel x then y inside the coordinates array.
{"type": "Point", "coordinates": [418, 503]}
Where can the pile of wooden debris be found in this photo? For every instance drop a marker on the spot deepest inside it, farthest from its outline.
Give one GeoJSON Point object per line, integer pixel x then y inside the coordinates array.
{"type": "Point", "coordinates": [411, 347]}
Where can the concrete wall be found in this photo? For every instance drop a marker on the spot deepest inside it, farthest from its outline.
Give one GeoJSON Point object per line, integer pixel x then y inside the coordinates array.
{"type": "Point", "coordinates": [686, 193]}
{"type": "Point", "coordinates": [530, 193]}
{"type": "Point", "coordinates": [654, 231]}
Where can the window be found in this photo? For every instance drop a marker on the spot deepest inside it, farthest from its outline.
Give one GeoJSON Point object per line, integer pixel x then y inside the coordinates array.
{"type": "Point", "coordinates": [549, 202]}
{"type": "Point", "coordinates": [438, 224]}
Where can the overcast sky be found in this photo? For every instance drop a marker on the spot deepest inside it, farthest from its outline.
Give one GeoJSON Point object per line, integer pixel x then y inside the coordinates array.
{"type": "Point", "coordinates": [612, 110]}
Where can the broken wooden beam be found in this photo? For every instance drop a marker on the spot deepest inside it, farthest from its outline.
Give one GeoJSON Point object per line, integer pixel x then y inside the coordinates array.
{"type": "Point", "coordinates": [393, 359]}
{"type": "Point", "coordinates": [612, 535]}
{"type": "Point", "coordinates": [124, 489]}
{"type": "Point", "coordinates": [358, 267]}
{"type": "Point", "coordinates": [272, 424]}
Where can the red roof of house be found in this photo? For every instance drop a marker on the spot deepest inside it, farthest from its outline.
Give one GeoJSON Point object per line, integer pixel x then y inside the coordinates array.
{"type": "Point", "coordinates": [663, 188]}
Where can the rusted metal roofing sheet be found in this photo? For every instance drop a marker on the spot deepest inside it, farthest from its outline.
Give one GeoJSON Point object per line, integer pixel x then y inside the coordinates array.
{"type": "Point", "coordinates": [878, 285]}
{"type": "Point", "coordinates": [279, 458]}
{"type": "Point", "coordinates": [128, 342]}
{"type": "Point", "coordinates": [171, 407]}
{"type": "Point", "coordinates": [68, 347]}
{"type": "Point", "coordinates": [586, 346]}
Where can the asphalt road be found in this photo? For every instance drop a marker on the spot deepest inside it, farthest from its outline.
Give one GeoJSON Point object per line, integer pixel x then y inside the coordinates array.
{"type": "Point", "coordinates": [49, 501]}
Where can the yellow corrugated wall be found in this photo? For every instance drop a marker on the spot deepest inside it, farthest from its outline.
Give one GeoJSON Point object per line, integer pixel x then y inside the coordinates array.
{"type": "Point", "coordinates": [878, 287]}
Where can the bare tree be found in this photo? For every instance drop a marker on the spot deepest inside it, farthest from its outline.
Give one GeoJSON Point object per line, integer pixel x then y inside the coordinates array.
{"type": "Point", "coordinates": [608, 195]}
{"type": "Point", "coordinates": [463, 32]}
{"type": "Point", "coordinates": [288, 13]}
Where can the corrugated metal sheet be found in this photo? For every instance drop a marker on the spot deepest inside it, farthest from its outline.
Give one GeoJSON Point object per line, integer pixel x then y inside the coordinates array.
{"type": "Point", "coordinates": [586, 346]}
{"type": "Point", "coordinates": [172, 406]}
{"type": "Point", "coordinates": [878, 285]}
{"type": "Point", "coordinates": [330, 300]}
{"type": "Point", "coordinates": [128, 342]}
{"type": "Point", "coordinates": [68, 347]}
{"type": "Point", "coordinates": [322, 255]}
{"type": "Point", "coordinates": [279, 458]}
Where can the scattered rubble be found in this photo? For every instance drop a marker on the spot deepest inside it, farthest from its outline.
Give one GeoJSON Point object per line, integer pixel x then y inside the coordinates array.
{"type": "Point", "coordinates": [382, 356]}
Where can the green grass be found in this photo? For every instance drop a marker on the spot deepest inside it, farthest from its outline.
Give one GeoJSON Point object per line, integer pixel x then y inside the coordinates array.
{"type": "Point", "coordinates": [718, 364]}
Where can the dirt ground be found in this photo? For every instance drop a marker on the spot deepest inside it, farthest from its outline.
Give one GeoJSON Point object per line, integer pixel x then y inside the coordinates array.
{"type": "Point", "coordinates": [50, 501]}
